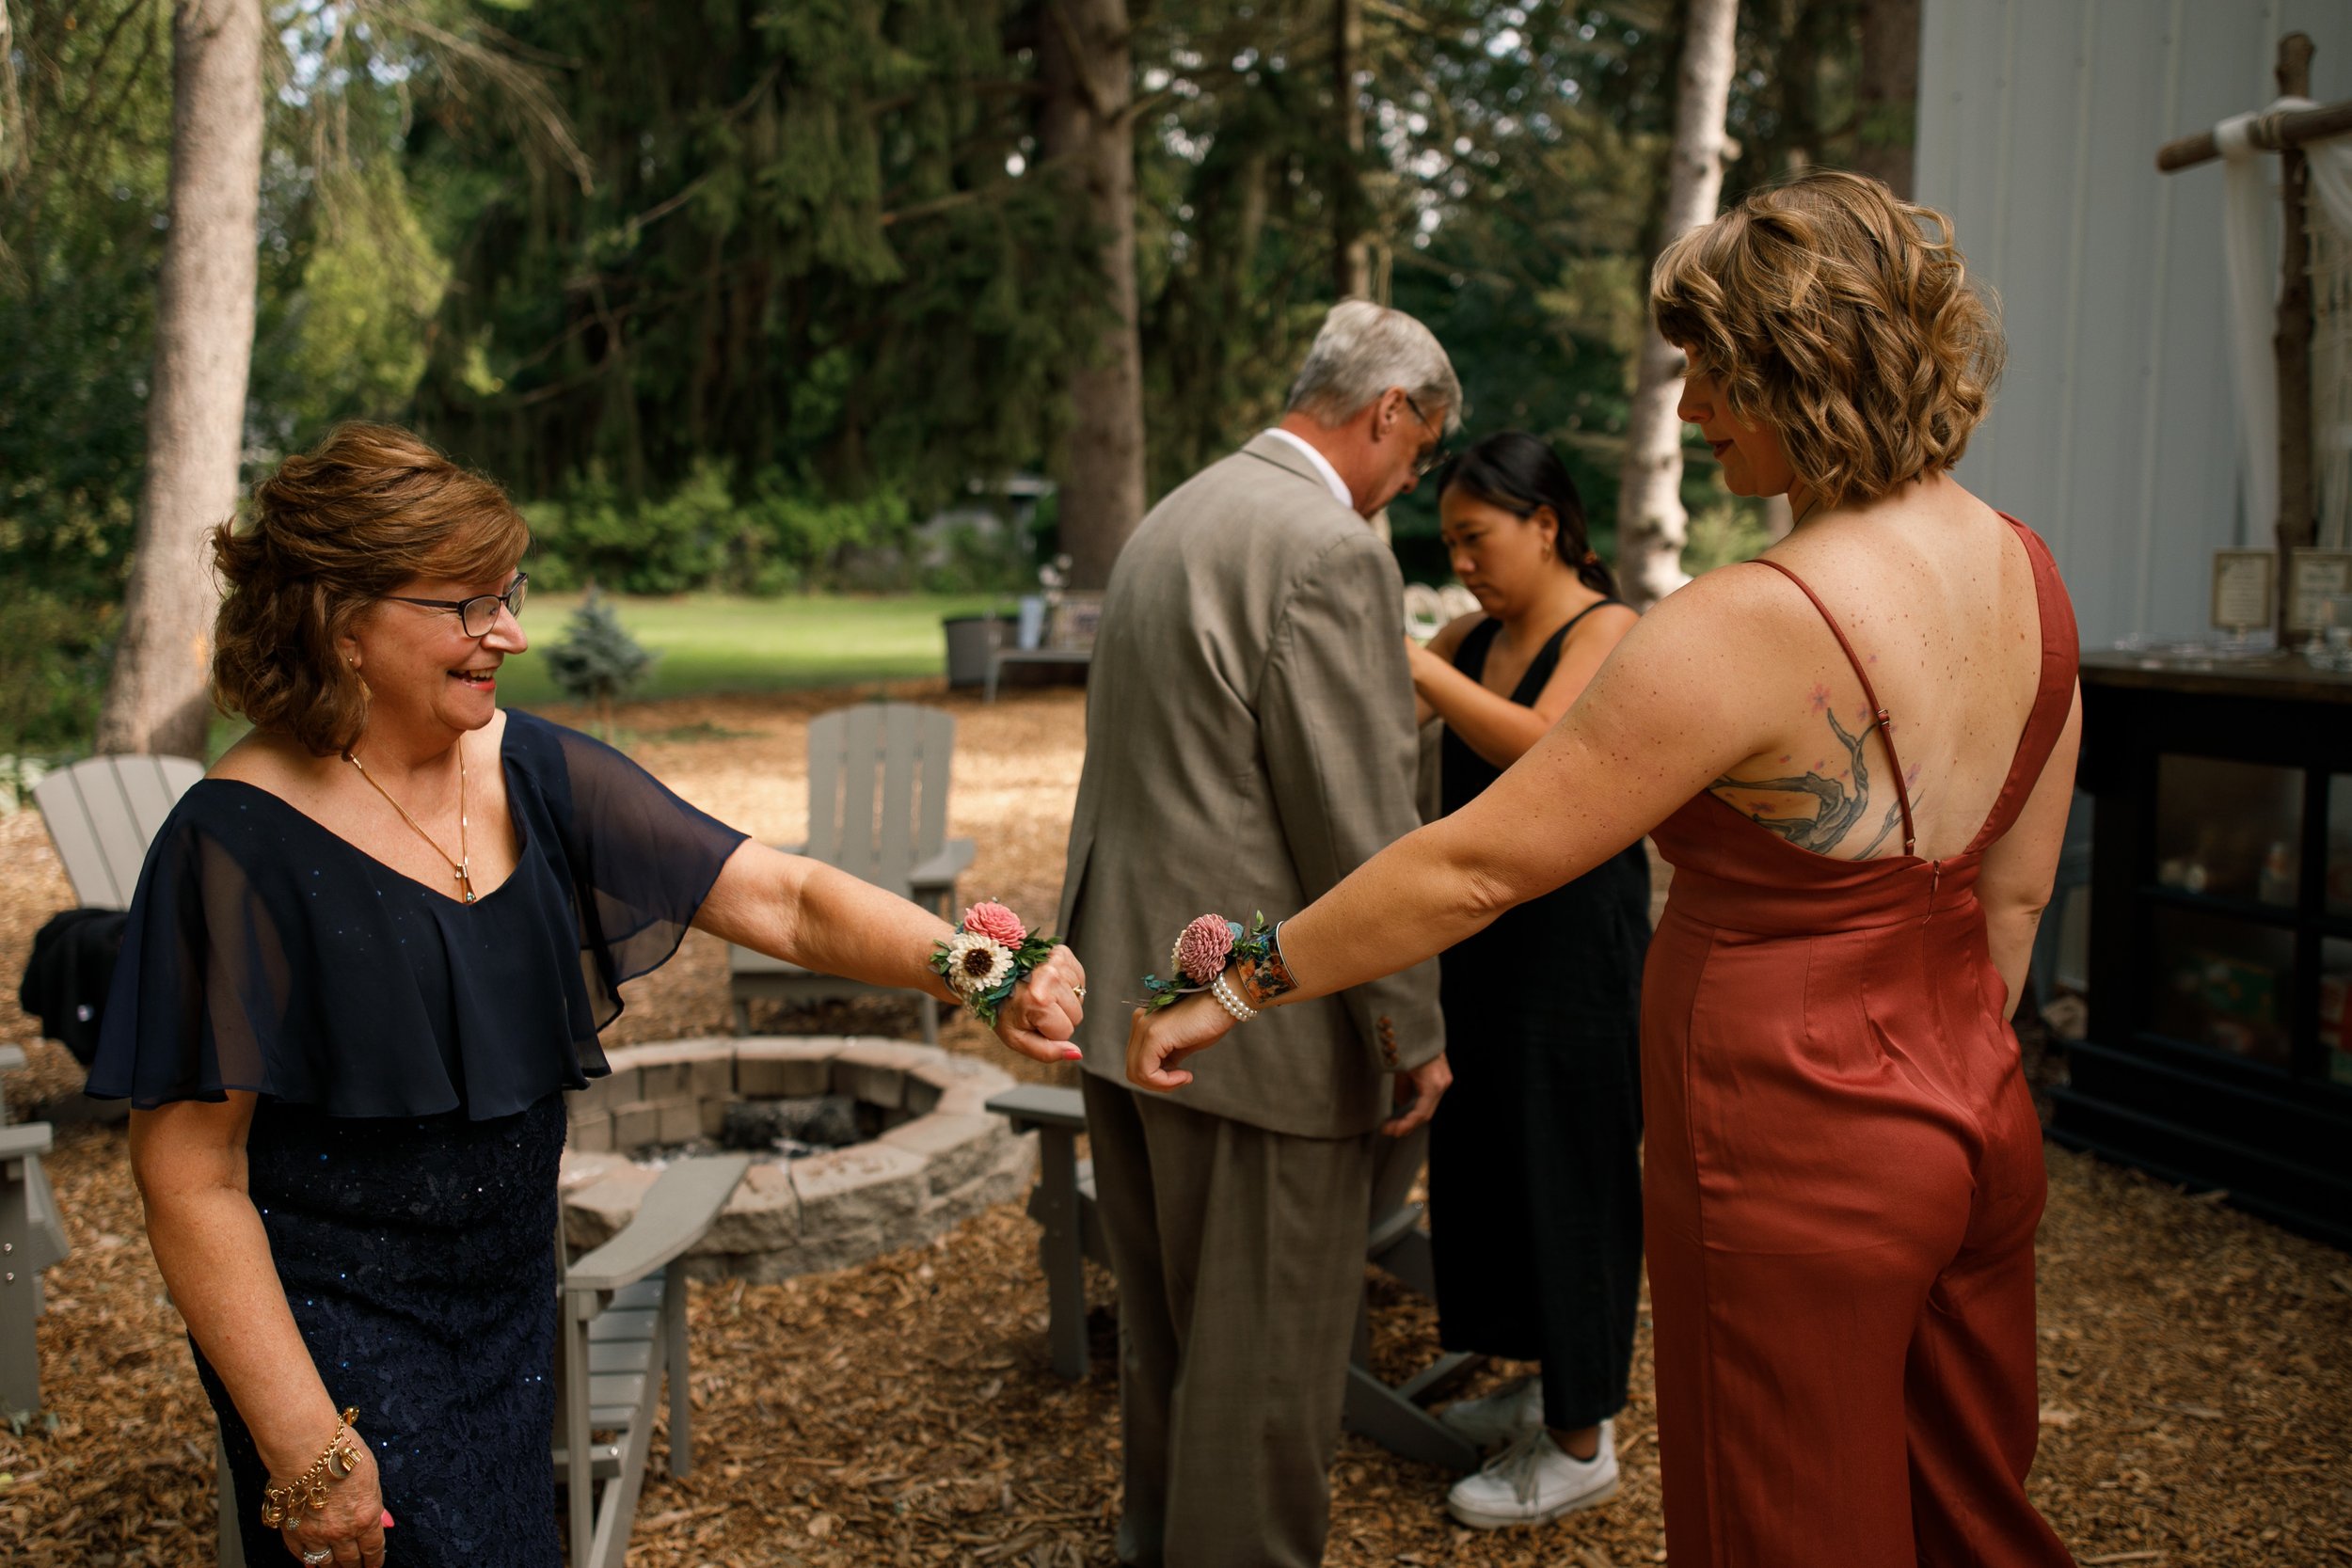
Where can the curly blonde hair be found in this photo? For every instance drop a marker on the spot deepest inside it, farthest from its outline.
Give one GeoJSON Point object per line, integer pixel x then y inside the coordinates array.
{"type": "Point", "coordinates": [1842, 317]}
{"type": "Point", "coordinates": [334, 530]}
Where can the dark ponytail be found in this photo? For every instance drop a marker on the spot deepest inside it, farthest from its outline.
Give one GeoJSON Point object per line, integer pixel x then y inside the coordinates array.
{"type": "Point", "coordinates": [1522, 474]}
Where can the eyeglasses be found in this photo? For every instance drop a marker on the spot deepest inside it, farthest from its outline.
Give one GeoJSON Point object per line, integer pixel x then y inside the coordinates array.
{"type": "Point", "coordinates": [1436, 454]}
{"type": "Point", "coordinates": [478, 614]}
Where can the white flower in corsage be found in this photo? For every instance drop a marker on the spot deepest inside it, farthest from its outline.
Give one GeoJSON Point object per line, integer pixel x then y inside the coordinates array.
{"type": "Point", "coordinates": [986, 961]}
{"type": "Point", "coordinates": [975, 963]}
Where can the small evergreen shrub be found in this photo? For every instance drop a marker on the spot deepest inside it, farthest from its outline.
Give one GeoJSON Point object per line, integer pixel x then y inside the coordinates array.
{"type": "Point", "coordinates": [596, 660]}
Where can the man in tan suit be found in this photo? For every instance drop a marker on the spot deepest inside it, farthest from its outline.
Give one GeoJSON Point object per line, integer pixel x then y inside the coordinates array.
{"type": "Point", "coordinates": [1251, 742]}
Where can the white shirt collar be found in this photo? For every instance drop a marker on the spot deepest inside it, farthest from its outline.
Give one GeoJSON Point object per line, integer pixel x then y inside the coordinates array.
{"type": "Point", "coordinates": [1322, 465]}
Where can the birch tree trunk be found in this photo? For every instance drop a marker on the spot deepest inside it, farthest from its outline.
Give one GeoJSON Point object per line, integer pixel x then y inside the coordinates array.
{"type": "Point", "coordinates": [1351, 253]}
{"type": "Point", "coordinates": [1085, 60]}
{"type": "Point", "coordinates": [1886, 92]}
{"type": "Point", "coordinates": [156, 699]}
{"type": "Point", "coordinates": [1651, 523]}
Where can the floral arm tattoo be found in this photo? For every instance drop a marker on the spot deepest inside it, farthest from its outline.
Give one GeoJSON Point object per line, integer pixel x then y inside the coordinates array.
{"type": "Point", "coordinates": [1839, 805]}
{"type": "Point", "coordinates": [1260, 983]}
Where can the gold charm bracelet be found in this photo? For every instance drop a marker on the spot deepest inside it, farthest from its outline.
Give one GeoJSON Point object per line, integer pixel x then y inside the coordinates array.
{"type": "Point", "coordinates": [309, 1489]}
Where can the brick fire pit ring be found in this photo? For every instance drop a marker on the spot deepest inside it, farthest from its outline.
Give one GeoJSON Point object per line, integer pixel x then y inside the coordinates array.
{"type": "Point", "coordinates": [940, 1158]}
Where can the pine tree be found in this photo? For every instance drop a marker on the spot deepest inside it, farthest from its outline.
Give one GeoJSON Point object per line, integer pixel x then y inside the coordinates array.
{"type": "Point", "coordinates": [596, 660]}
{"type": "Point", "coordinates": [819, 246]}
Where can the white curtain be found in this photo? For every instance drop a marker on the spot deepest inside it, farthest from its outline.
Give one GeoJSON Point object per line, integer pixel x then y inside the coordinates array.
{"type": "Point", "coordinates": [2249, 219]}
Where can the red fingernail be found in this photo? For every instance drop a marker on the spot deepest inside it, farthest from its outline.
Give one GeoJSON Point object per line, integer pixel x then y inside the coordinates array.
{"type": "Point", "coordinates": [1071, 1054]}
{"type": "Point", "coordinates": [387, 1518]}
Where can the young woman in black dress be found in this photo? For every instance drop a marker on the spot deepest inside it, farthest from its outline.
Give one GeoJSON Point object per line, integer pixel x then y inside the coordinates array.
{"type": "Point", "coordinates": [367, 955]}
{"type": "Point", "coordinates": [1534, 1175]}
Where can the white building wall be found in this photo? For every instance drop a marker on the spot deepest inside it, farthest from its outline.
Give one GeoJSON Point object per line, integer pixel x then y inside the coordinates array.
{"type": "Point", "coordinates": [2039, 124]}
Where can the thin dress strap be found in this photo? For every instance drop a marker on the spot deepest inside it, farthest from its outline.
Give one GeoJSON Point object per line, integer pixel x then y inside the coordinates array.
{"type": "Point", "coordinates": [1881, 721]}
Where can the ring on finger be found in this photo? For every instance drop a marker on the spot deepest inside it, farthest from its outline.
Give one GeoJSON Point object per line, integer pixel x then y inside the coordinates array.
{"type": "Point", "coordinates": [321, 1555]}
{"type": "Point", "coordinates": [1078, 991]}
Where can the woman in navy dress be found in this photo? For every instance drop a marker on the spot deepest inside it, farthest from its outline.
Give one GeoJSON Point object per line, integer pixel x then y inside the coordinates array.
{"type": "Point", "coordinates": [367, 955]}
{"type": "Point", "coordinates": [1535, 1155]}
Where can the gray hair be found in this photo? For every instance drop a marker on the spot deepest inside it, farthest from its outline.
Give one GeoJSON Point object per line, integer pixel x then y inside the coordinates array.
{"type": "Point", "coordinates": [1363, 350]}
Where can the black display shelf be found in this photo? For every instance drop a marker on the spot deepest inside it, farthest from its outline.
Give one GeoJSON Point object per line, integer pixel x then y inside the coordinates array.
{"type": "Point", "coordinates": [2254, 1110]}
{"type": "Point", "coordinates": [2279, 915]}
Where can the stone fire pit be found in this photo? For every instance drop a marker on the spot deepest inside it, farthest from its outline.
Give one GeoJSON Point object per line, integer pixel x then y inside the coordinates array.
{"type": "Point", "coordinates": [938, 1158]}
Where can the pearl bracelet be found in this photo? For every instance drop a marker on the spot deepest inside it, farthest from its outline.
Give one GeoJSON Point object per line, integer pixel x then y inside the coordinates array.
{"type": "Point", "coordinates": [1231, 1001]}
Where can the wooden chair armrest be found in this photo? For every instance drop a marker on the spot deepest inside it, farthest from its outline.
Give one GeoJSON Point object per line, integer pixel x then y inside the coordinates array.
{"type": "Point", "coordinates": [677, 1209]}
{"type": "Point", "coordinates": [23, 1139]}
{"type": "Point", "coordinates": [1034, 1106]}
{"type": "Point", "coordinates": [944, 868]}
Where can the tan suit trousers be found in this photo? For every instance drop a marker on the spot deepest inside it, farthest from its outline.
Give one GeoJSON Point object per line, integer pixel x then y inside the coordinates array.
{"type": "Point", "coordinates": [1240, 1258]}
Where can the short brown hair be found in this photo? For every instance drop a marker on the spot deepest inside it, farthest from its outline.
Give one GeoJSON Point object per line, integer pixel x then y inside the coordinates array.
{"type": "Point", "coordinates": [334, 530]}
{"type": "Point", "coordinates": [1832, 314]}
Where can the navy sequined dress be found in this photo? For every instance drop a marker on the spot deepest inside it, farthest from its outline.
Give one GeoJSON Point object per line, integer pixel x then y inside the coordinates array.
{"type": "Point", "coordinates": [410, 1054]}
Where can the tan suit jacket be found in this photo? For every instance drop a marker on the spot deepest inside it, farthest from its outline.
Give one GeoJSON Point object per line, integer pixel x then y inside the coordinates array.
{"type": "Point", "coordinates": [1249, 742]}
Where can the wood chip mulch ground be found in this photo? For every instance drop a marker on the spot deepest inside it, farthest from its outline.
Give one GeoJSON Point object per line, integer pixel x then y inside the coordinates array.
{"type": "Point", "coordinates": [2197, 1401]}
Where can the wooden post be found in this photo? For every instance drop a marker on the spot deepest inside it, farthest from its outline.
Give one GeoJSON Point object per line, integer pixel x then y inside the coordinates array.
{"type": "Point", "coordinates": [2298, 517]}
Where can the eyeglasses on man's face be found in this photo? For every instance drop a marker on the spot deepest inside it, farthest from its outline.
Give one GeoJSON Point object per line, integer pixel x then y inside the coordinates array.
{"type": "Point", "coordinates": [1434, 454]}
{"type": "Point", "coordinates": [481, 612]}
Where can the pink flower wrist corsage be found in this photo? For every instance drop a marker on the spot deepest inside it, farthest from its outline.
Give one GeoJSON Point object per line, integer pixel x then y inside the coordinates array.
{"type": "Point", "coordinates": [988, 958]}
{"type": "Point", "coordinates": [1201, 952]}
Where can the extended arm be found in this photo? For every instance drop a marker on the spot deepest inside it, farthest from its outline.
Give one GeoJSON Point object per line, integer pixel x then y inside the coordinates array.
{"type": "Point", "coordinates": [1658, 724]}
{"type": "Point", "coordinates": [809, 913]}
{"type": "Point", "coordinates": [1492, 724]}
{"type": "Point", "coordinates": [2014, 884]}
{"type": "Point", "coordinates": [188, 1159]}
{"type": "Point", "coordinates": [1439, 650]}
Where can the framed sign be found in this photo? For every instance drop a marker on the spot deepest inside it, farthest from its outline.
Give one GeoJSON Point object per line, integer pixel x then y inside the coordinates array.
{"type": "Point", "coordinates": [2245, 587]}
{"type": "Point", "coordinates": [2312, 578]}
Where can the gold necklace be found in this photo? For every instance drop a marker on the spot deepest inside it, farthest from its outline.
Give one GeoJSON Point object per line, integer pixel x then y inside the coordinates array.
{"type": "Point", "coordinates": [1811, 505]}
{"type": "Point", "coordinates": [459, 867]}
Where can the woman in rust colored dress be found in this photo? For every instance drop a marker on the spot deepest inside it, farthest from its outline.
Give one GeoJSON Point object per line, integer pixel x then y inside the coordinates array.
{"type": "Point", "coordinates": [1857, 754]}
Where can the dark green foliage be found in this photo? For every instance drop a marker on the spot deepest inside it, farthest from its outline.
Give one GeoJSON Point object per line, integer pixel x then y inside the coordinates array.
{"type": "Point", "coordinates": [54, 654]}
{"type": "Point", "coordinates": [768, 538]}
{"type": "Point", "coordinates": [802, 256]}
{"type": "Point", "coordinates": [81, 188]}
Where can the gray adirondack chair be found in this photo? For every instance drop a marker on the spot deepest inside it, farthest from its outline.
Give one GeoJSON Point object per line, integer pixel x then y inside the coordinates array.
{"type": "Point", "coordinates": [623, 1329]}
{"type": "Point", "coordinates": [32, 1237]}
{"type": "Point", "coordinates": [621, 1332]}
{"type": "Point", "coordinates": [876, 809]}
{"type": "Point", "coordinates": [1069, 1232]}
{"type": "Point", "coordinates": [103, 813]}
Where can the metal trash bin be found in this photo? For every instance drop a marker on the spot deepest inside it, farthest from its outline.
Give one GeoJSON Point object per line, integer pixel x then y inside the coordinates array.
{"type": "Point", "coordinates": [970, 640]}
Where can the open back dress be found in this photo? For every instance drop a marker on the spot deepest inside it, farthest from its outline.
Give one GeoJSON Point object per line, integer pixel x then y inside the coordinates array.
{"type": "Point", "coordinates": [1843, 1179]}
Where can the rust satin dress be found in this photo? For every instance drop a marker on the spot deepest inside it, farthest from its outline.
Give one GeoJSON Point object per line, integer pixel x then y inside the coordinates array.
{"type": "Point", "coordinates": [1844, 1175]}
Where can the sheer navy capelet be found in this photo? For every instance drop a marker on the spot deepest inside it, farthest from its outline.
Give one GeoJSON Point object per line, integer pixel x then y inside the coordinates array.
{"type": "Point", "coordinates": [265, 953]}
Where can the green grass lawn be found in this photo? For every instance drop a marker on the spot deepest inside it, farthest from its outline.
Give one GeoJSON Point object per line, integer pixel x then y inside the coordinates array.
{"type": "Point", "coordinates": [718, 642]}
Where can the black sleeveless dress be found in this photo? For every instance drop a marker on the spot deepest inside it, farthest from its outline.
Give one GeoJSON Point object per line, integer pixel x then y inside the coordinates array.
{"type": "Point", "coordinates": [410, 1055]}
{"type": "Point", "coordinates": [1534, 1159]}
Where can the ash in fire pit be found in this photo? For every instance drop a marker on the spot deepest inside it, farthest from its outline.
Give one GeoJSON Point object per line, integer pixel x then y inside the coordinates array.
{"type": "Point", "coordinates": [870, 1145]}
{"type": "Point", "coordinates": [797, 1126]}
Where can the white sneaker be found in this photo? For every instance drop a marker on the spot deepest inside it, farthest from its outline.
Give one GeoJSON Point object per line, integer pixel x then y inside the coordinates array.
{"type": "Point", "coordinates": [1532, 1481]}
{"type": "Point", "coordinates": [1508, 1413]}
